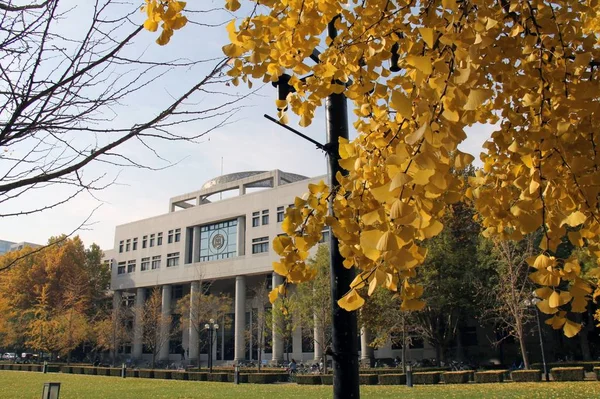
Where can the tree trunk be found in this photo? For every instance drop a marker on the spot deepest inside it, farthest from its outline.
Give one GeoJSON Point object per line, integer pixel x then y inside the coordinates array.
{"type": "Point", "coordinates": [460, 350]}
{"type": "Point", "coordinates": [438, 352]}
{"type": "Point", "coordinates": [584, 343]}
{"type": "Point", "coordinates": [523, 349]}
{"type": "Point", "coordinates": [404, 346]}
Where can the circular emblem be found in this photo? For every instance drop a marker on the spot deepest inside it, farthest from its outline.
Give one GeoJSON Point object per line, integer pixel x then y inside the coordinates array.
{"type": "Point", "coordinates": [218, 241]}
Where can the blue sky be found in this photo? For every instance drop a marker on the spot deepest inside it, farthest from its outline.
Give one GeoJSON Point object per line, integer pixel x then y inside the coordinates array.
{"type": "Point", "coordinates": [251, 143]}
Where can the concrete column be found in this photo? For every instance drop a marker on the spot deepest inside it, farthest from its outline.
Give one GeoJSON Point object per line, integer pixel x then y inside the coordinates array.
{"type": "Point", "coordinates": [240, 318]}
{"type": "Point", "coordinates": [277, 339]}
{"type": "Point", "coordinates": [241, 236]}
{"type": "Point", "coordinates": [193, 334]}
{"type": "Point", "coordinates": [318, 333]}
{"type": "Point", "coordinates": [138, 329]}
{"type": "Point", "coordinates": [165, 329]}
{"type": "Point", "coordinates": [367, 354]}
{"type": "Point", "coordinates": [196, 245]}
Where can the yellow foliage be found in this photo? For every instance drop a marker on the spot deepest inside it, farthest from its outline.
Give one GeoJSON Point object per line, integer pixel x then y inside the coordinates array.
{"type": "Point", "coordinates": [169, 13]}
{"type": "Point", "coordinates": [528, 68]}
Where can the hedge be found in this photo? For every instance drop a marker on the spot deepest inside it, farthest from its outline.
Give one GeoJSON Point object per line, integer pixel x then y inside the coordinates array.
{"type": "Point", "coordinates": [368, 379]}
{"type": "Point", "coordinates": [597, 373]}
{"type": "Point", "coordinates": [197, 376]}
{"type": "Point", "coordinates": [457, 377]}
{"type": "Point", "coordinates": [179, 375]}
{"type": "Point", "coordinates": [78, 370]}
{"type": "Point", "coordinates": [162, 374]}
{"type": "Point", "coordinates": [327, 379]}
{"type": "Point", "coordinates": [308, 379]}
{"type": "Point", "coordinates": [145, 373]}
{"type": "Point", "coordinates": [526, 375]}
{"type": "Point", "coordinates": [89, 370]}
{"type": "Point", "coordinates": [588, 366]}
{"type": "Point", "coordinates": [568, 373]}
{"type": "Point", "coordinates": [243, 377]}
{"type": "Point", "coordinates": [66, 369]}
{"type": "Point", "coordinates": [115, 372]}
{"type": "Point", "coordinates": [490, 376]}
{"type": "Point", "coordinates": [431, 377]}
{"type": "Point", "coordinates": [131, 373]}
{"type": "Point", "coordinates": [392, 379]}
{"type": "Point", "coordinates": [103, 371]}
{"type": "Point", "coordinates": [53, 368]}
{"type": "Point", "coordinates": [217, 377]}
{"type": "Point", "coordinates": [266, 378]}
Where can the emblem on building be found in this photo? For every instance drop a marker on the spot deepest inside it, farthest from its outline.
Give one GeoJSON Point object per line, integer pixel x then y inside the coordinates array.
{"type": "Point", "coordinates": [218, 241]}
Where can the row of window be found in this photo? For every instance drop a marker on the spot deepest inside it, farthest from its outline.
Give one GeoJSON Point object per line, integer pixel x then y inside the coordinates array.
{"type": "Point", "coordinates": [262, 217]}
{"type": "Point", "coordinates": [131, 244]}
{"type": "Point", "coordinates": [148, 263]}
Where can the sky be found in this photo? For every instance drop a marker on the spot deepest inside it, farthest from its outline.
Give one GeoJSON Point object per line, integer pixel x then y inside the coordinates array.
{"type": "Point", "coordinates": [250, 143]}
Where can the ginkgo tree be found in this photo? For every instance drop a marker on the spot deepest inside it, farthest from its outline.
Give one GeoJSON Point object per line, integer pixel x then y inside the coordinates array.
{"type": "Point", "coordinates": [419, 73]}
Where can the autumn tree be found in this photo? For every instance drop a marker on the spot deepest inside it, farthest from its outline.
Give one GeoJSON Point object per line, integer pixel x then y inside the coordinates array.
{"type": "Point", "coordinates": [418, 74]}
{"type": "Point", "coordinates": [113, 330]}
{"type": "Point", "coordinates": [313, 302]}
{"type": "Point", "coordinates": [198, 309]}
{"type": "Point", "coordinates": [261, 326]}
{"type": "Point", "coordinates": [156, 331]}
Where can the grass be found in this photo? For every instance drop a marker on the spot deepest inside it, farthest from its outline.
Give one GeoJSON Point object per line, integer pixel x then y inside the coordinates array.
{"type": "Point", "coordinates": [19, 384]}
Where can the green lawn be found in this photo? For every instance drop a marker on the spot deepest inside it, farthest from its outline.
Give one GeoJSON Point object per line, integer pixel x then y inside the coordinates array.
{"type": "Point", "coordinates": [20, 384]}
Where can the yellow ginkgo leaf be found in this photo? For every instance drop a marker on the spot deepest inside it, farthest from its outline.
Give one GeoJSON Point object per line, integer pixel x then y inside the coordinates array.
{"type": "Point", "coordinates": [571, 328]}
{"type": "Point", "coordinates": [412, 304]}
{"type": "Point", "coordinates": [554, 300]}
{"type": "Point", "coordinates": [422, 63]}
{"type": "Point", "coordinates": [273, 295]}
{"type": "Point", "coordinates": [574, 219]}
{"type": "Point", "coordinates": [351, 301]}
{"type": "Point", "coordinates": [476, 98]}
{"type": "Point", "coordinates": [401, 103]}
{"type": "Point", "coordinates": [428, 36]}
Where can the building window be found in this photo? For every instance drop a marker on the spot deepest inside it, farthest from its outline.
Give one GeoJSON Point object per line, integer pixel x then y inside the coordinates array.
{"type": "Point", "coordinates": [255, 219]}
{"type": "Point", "coordinates": [159, 239]}
{"type": "Point", "coordinates": [218, 240]}
{"type": "Point", "coordinates": [260, 245]}
{"type": "Point", "coordinates": [128, 245]}
{"type": "Point", "coordinates": [151, 240]}
{"type": "Point", "coordinates": [135, 244]}
{"type": "Point", "coordinates": [144, 241]}
{"type": "Point", "coordinates": [156, 262]}
{"type": "Point", "coordinates": [121, 268]}
{"type": "Point", "coordinates": [280, 214]}
{"type": "Point", "coordinates": [131, 266]}
{"type": "Point", "coordinates": [265, 217]}
{"type": "Point", "coordinates": [173, 259]}
{"type": "Point", "coordinates": [177, 235]}
{"type": "Point", "coordinates": [177, 292]}
{"type": "Point", "coordinates": [325, 236]}
{"type": "Point", "coordinates": [121, 246]}
{"type": "Point", "coordinates": [170, 237]}
{"type": "Point", "coordinates": [145, 264]}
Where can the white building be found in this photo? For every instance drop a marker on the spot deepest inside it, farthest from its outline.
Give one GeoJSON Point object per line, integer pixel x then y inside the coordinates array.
{"type": "Point", "coordinates": [227, 242]}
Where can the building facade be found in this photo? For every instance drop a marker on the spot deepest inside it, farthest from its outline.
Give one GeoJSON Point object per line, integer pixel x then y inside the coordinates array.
{"type": "Point", "coordinates": [227, 243]}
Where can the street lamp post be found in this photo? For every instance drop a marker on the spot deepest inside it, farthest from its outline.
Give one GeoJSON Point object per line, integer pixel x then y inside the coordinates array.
{"type": "Point", "coordinates": [212, 328]}
{"type": "Point", "coordinates": [533, 302]}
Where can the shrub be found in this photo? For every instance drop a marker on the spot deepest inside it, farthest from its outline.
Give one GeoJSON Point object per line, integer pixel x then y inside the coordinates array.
{"type": "Point", "coordinates": [526, 375]}
{"type": "Point", "coordinates": [456, 377]}
{"type": "Point", "coordinates": [102, 371]}
{"type": "Point", "coordinates": [217, 377]}
{"type": "Point", "coordinates": [327, 379]}
{"type": "Point", "coordinates": [597, 373]}
{"type": "Point", "coordinates": [131, 373]}
{"type": "Point", "coordinates": [179, 375]}
{"type": "Point", "coordinates": [196, 376]}
{"type": "Point", "coordinates": [588, 366]}
{"type": "Point", "coordinates": [114, 372]}
{"type": "Point", "coordinates": [431, 377]}
{"type": "Point", "coordinates": [89, 370]}
{"type": "Point", "coordinates": [266, 378]}
{"type": "Point", "coordinates": [568, 373]}
{"type": "Point", "coordinates": [53, 368]}
{"type": "Point", "coordinates": [243, 377]}
{"type": "Point", "coordinates": [66, 369]}
{"type": "Point", "coordinates": [308, 379]}
{"type": "Point", "coordinates": [490, 376]}
{"type": "Point", "coordinates": [78, 370]}
{"type": "Point", "coordinates": [392, 379]}
{"type": "Point", "coordinates": [162, 374]}
{"type": "Point", "coordinates": [368, 379]}
{"type": "Point", "coordinates": [145, 373]}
